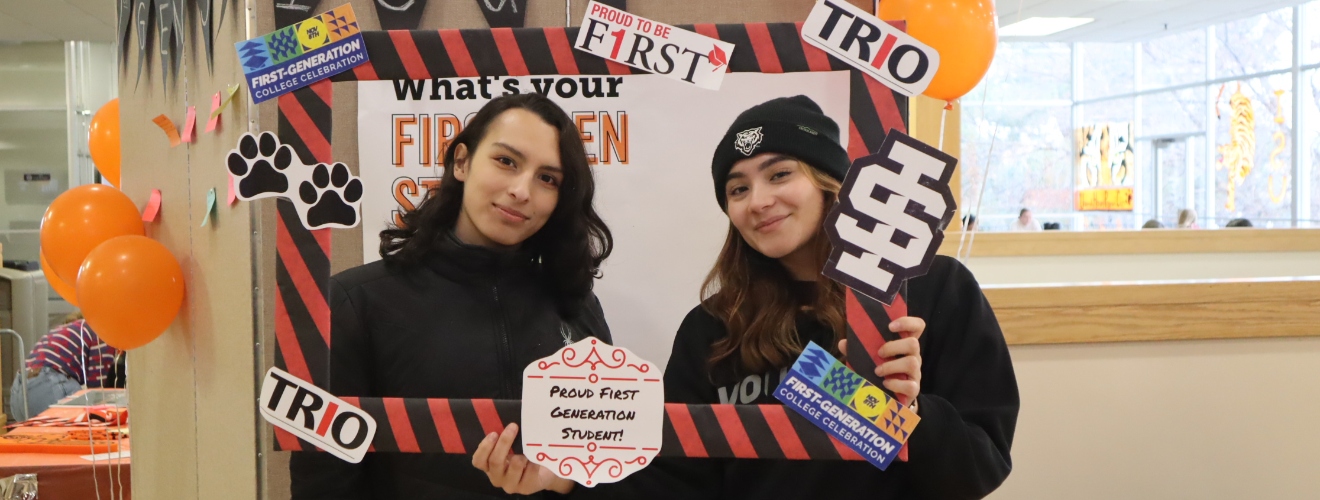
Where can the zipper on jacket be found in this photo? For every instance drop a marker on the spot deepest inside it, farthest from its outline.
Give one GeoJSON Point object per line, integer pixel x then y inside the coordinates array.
{"type": "Point", "coordinates": [506, 357]}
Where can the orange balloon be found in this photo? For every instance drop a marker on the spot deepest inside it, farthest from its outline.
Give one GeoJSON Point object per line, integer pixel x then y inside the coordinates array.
{"type": "Point", "coordinates": [131, 288]}
{"type": "Point", "coordinates": [65, 290]}
{"type": "Point", "coordinates": [82, 218]}
{"type": "Point", "coordinates": [103, 141]}
{"type": "Point", "coordinates": [964, 32]}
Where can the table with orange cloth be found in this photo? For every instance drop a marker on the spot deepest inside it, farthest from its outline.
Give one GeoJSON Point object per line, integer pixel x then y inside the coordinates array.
{"type": "Point", "coordinates": [57, 459]}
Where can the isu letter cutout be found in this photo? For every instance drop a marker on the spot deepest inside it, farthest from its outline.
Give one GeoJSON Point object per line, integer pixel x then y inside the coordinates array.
{"type": "Point", "coordinates": [889, 222]}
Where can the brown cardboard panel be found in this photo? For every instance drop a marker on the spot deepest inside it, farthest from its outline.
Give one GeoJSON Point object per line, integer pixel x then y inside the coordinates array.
{"type": "Point", "coordinates": [162, 387]}
{"type": "Point", "coordinates": [222, 323]}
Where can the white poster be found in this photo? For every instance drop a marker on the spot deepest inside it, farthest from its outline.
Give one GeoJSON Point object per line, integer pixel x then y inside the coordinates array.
{"type": "Point", "coordinates": [652, 140]}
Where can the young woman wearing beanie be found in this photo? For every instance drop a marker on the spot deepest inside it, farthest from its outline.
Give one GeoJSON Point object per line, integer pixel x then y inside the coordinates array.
{"type": "Point", "coordinates": [493, 271]}
{"type": "Point", "coordinates": [776, 174]}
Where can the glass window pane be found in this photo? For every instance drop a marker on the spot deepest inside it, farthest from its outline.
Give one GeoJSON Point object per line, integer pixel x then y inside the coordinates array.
{"type": "Point", "coordinates": [1031, 165]}
{"type": "Point", "coordinates": [1255, 44]}
{"type": "Point", "coordinates": [1253, 163]}
{"type": "Point", "coordinates": [1173, 59]}
{"type": "Point", "coordinates": [1026, 71]}
{"type": "Point", "coordinates": [1024, 101]}
{"type": "Point", "coordinates": [1178, 112]}
{"type": "Point", "coordinates": [1311, 129]}
{"type": "Point", "coordinates": [1106, 69]}
{"type": "Point", "coordinates": [1311, 33]}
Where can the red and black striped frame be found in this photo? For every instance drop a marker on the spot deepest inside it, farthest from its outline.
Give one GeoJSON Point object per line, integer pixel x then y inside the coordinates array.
{"type": "Point", "coordinates": [302, 312]}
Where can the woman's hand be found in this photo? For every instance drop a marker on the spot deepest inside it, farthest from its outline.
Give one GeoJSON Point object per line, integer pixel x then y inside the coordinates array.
{"type": "Point", "coordinates": [901, 374]}
{"type": "Point", "coordinates": [514, 473]}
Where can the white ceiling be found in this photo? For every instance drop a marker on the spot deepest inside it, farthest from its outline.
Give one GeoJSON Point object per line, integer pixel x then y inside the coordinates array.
{"type": "Point", "coordinates": [1132, 20]}
{"type": "Point", "coordinates": [1115, 20]}
{"type": "Point", "coordinates": [54, 20]}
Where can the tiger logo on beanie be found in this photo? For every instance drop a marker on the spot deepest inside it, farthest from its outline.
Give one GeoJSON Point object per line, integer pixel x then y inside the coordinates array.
{"type": "Point", "coordinates": [748, 140]}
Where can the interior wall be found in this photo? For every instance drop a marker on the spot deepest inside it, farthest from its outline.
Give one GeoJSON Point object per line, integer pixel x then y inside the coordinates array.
{"type": "Point", "coordinates": [33, 140]}
{"type": "Point", "coordinates": [1159, 420]}
{"type": "Point", "coordinates": [1183, 419]}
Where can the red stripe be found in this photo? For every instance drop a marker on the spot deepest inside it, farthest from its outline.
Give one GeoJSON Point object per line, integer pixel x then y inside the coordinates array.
{"type": "Point", "coordinates": [458, 53]}
{"type": "Point", "coordinates": [817, 59]}
{"type": "Point", "coordinates": [306, 129]}
{"type": "Point", "coordinates": [450, 439]}
{"type": "Point", "coordinates": [324, 89]}
{"type": "Point", "coordinates": [898, 309]}
{"type": "Point", "coordinates": [764, 48]}
{"type": "Point", "coordinates": [617, 69]}
{"type": "Point", "coordinates": [708, 30]}
{"type": "Point", "coordinates": [310, 294]}
{"type": "Point", "coordinates": [686, 430]}
{"type": "Point", "coordinates": [323, 239]}
{"type": "Point", "coordinates": [845, 452]}
{"type": "Point", "coordinates": [861, 324]}
{"type": "Point", "coordinates": [509, 51]}
{"type": "Point", "coordinates": [287, 341]}
{"type": "Point", "coordinates": [885, 106]}
{"type": "Point", "coordinates": [856, 147]}
{"type": "Point", "coordinates": [286, 440]}
{"type": "Point", "coordinates": [402, 427]}
{"type": "Point", "coordinates": [734, 432]}
{"type": "Point", "coordinates": [407, 49]}
{"type": "Point", "coordinates": [490, 419]}
{"type": "Point", "coordinates": [784, 432]}
{"type": "Point", "coordinates": [366, 72]}
{"type": "Point", "coordinates": [562, 51]}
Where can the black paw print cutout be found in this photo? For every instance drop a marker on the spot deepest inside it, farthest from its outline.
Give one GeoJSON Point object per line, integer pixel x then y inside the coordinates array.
{"type": "Point", "coordinates": [332, 196]}
{"type": "Point", "coordinates": [259, 166]}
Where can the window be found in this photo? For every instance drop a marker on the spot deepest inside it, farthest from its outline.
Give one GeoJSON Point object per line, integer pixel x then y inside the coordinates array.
{"type": "Point", "coordinates": [1212, 115]}
{"type": "Point", "coordinates": [1026, 115]}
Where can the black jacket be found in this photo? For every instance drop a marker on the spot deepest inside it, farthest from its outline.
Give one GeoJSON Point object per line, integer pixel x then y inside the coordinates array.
{"type": "Point", "coordinates": [968, 408]}
{"type": "Point", "coordinates": [463, 325]}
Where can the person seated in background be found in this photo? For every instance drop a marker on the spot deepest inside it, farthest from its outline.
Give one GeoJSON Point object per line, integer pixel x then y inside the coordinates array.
{"type": "Point", "coordinates": [64, 361]}
{"type": "Point", "coordinates": [1152, 224]}
{"type": "Point", "coordinates": [1239, 222]}
{"type": "Point", "coordinates": [1025, 221]}
{"type": "Point", "coordinates": [1187, 219]}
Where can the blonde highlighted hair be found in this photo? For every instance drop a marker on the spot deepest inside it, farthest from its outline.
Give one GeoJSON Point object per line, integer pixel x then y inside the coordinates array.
{"type": "Point", "coordinates": [750, 293]}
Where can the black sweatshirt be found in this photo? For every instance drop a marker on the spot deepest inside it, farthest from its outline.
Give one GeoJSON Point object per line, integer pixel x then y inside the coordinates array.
{"type": "Point", "coordinates": [968, 407]}
{"type": "Point", "coordinates": [463, 325]}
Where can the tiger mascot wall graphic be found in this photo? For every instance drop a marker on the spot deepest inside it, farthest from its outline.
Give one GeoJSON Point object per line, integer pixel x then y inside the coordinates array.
{"type": "Point", "coordinates": [1105, 154]}
{"type": "Point", "coordinates": [1238, 155]}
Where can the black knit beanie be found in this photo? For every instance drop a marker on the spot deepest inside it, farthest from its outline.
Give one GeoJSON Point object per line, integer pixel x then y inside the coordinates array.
{"type": "Point", "coordinates": [794, 126]}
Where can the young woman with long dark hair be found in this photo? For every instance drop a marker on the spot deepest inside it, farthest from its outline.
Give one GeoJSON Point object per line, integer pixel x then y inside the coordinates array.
{"type": "Point", "coordinates": [491, 272]}
{"type": "Point", "coordinates": [777, 173]}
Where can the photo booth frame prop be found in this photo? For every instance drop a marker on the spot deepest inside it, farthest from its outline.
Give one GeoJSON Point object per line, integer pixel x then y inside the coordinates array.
{"type": "Point", "coordinates": [302, 270]}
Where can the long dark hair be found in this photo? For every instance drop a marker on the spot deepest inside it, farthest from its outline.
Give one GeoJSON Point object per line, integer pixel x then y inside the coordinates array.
{"type": "Point", "coordinates": [571, 245]}
{"type": "Point", "coordinates": [750, 293]}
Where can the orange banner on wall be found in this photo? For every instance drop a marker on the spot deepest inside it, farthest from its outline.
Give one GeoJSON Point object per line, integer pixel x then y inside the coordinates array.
{"type": "Point", "coordinates": [1113, 199]}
